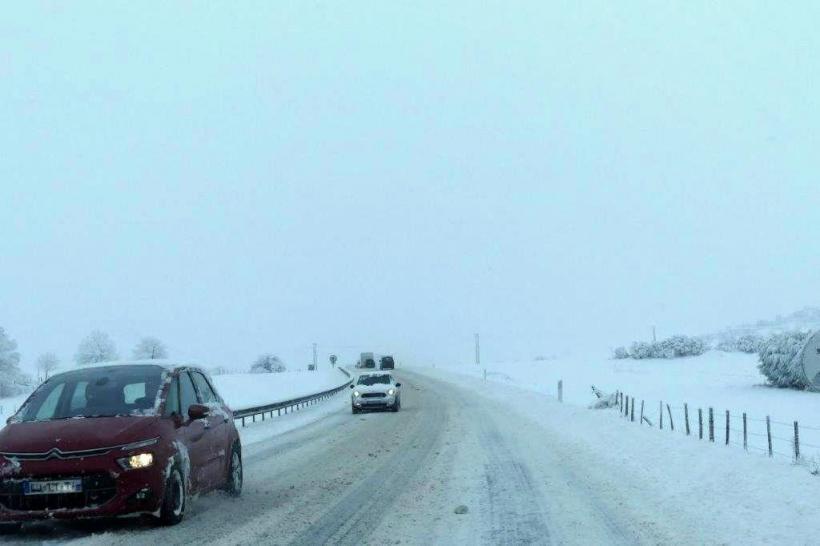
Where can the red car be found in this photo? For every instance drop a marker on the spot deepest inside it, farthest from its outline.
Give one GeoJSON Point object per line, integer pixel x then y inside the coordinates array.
{"type": "Point", "coordinates": [116, 440]}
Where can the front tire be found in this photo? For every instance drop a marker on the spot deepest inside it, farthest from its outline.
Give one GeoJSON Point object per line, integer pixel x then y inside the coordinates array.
{"type": "Point", "coordinates": [174, 499]}
{"type": "Point", "coordinates": [355, 410]}
{"type": "Point", "coordinates": [233, 486]}
{"type": "Point", "coordinates": [397, 405]}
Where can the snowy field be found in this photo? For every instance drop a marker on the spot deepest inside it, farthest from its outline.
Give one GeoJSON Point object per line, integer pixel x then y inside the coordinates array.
{"type": "Point", "coordinates": [723, 381]}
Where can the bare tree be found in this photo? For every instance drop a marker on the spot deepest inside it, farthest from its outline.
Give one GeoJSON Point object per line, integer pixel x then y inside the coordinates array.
{"type": "Point", "coordinates": [150, 348]}
{"type": "Point", "coordinates": [96, 347]}
{"type": "Point", "coordinates": [10, 375]}
{"type": "Point", "coordinates": [47, 363]}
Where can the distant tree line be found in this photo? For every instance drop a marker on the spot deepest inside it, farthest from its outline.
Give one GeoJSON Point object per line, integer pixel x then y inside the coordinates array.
{"type": "Point", "coordinates": [94, 348]}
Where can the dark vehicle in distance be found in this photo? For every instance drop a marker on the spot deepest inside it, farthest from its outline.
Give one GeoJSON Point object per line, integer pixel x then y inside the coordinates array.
{"type": "Point", "coordinates": [387, 363]}
{"type": "Point", "coordinates": [117, 440]}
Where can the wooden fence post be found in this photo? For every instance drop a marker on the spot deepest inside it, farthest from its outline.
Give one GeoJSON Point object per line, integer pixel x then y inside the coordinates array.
{"type": "Point", "coordinates": [711, 425]}
{"type": "Point", "coordinates": [769, 435]}
{"type": "Point", "coordinates": [796, 443]}
{"type": "Point", "coordinates": [660, 419]}
{"type": "Point", "coordinates": [686, 416]}
{"type": "Point", "coordinates": [700, 424]}
{"type": "Point", "coordinates": [632, 413]}
{"type": "Point", "coordinates": [727, 427]}
{"type": "Point", "coordinates": [745, 434]}
{"type": "Point", "coordinates": [621, 402]}
{"type": "Point", "coordinates": [560, 390]}
{"type": "Point", "coordinates": [671, 421]}
{"type": "Point", "coordinates": [641, 412]}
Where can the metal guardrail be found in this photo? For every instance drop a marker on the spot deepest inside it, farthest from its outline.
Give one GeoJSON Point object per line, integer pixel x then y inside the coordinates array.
{"type": "Point", "coordinates": [292, 405]}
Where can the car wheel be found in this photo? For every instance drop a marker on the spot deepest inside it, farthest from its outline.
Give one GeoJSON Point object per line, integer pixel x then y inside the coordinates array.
{"type": "Point", "coordinates": [355, 410]}
{"type": "Point", "coordinates": [234, 483]}
{"type": "Point", "coordinates": [174, 499]}
{"type": "Point", "coordinates": [10, 528]}
{"type": "Point", "coordinates": [397, 405]}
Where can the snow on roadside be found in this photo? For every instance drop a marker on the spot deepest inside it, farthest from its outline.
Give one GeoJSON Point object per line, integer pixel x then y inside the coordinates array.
{"type": "Point", "coordinates": [735, 497]}
{"type": "Point", "coordinates": [251, 390]}
{"type": "Point", "coordinates": [723, 381]}
{"type": "Point", "coordinates": [260, 431]}
{"type": "Point", "coordinates": [245, 390]}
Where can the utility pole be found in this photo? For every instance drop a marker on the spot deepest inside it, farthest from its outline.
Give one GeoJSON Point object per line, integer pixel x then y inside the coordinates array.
{"type": "Point", "coordinates": [314, 357]}
{"type": "Point", "coordinates": [477, 351]}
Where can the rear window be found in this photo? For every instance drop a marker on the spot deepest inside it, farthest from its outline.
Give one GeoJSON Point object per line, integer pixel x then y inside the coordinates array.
{"type": "Point", "coordinates": [387, 362]}
{"type": "Point", "coordinates": [95, 392]}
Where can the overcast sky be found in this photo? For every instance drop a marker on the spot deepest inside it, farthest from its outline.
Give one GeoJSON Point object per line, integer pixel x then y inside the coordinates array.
{"type": "Point", "coordinates": [238, 178]}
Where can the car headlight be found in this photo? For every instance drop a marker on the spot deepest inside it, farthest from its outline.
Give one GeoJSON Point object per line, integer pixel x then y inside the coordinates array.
{"type": "Point", "coordinates": [134, 462]}
{"type": "Point", "coordinates": [391, 392]}
{"type": "Point", "coordinates": [356, 394]}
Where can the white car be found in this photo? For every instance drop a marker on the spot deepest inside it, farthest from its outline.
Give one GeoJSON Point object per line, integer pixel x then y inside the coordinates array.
{"type": "Point", "coordinates": [377, 390]}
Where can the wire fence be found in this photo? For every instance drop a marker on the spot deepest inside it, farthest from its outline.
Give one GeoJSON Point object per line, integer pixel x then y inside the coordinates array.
{"type": "Point", "coordinates": [760, 434]}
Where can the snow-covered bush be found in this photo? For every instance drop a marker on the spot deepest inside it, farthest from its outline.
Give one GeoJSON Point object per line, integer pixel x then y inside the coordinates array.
{"type": "Point", "coordinates": [97, 347]}
{"type": "Point", "coordinates": [749, 344]}
{"type": "Point", "coordinates": [641, 349]}
{"type": "Point", "coordinates": [780, 356]}
{"type": "Point", "coordinates": [680, 346]}
{"type": "Point", "coordinates": [620, 353]}
{"type": "Point", "coordinates": [150, 348]}
{"type": "Point", "coordinates": [673, 347]}
{"type": "Point", "coordinates": [12, 379]}
{"type": "Point", "coordinates": [268, 363]}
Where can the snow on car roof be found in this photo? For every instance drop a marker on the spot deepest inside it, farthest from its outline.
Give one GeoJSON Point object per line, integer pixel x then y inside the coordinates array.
{"type": "Point", "coordinates": [163, 363]}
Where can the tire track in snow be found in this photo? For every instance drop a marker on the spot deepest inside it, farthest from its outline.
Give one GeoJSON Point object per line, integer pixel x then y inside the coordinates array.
{"type": "Point", "coordinates": [354, 517]}
{"type": "Point", "coordinates": [514, 504]}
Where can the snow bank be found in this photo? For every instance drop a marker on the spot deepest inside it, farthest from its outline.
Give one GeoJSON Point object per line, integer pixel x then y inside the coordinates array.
{"type": "Point", "coordinates": [245, 390]}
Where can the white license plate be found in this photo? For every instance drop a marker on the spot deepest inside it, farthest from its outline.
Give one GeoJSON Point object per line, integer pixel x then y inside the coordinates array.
{"type": "Point", "coordinates": [52, 487]}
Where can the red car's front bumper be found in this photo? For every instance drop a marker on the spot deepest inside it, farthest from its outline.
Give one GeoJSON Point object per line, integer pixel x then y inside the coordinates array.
{"type": "Point", "coordinates": [108, 490]}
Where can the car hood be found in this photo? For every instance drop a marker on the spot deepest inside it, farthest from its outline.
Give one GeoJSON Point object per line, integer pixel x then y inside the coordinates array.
{"type": "Point", "coordinates": [76, 434]}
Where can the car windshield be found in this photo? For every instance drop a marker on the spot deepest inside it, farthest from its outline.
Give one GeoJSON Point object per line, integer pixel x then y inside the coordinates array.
{"type": "Point", "coordinates": [382, 379]}
{"type": "Point", "coordinates": [97, 392]}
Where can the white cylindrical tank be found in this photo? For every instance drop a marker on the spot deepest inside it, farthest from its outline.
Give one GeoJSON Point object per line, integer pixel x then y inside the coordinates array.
{"type": "Point", "coordinates": [811, 360]}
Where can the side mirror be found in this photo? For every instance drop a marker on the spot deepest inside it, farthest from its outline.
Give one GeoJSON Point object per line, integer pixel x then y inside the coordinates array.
{"type": "Point", "coordinates": [198, 411]}
{"type": "Point", "coordinates": [8, 421]}
{"type": "Point", "coordinates": [351, 386]}
{"type": "Point", "coordinates": [398, 384]}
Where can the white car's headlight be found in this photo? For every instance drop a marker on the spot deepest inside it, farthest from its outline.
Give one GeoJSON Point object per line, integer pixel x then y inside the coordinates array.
{"type": "Point", "coordinates": [391, 392]}
{"type": "Point", "coordinates": [356, 394]}
{"type": "Point", "coordinates": [134, 462]}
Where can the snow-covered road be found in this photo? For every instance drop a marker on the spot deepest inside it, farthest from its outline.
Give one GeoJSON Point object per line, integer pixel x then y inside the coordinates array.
{"type": "Point", "coordinates": [387, 478]}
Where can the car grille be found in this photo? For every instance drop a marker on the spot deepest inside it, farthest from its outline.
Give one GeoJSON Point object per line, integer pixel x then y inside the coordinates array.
{"type": "Point", "coordinates": [97, 490]}
{"type": "Point", "coordinates": [373, 395]}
